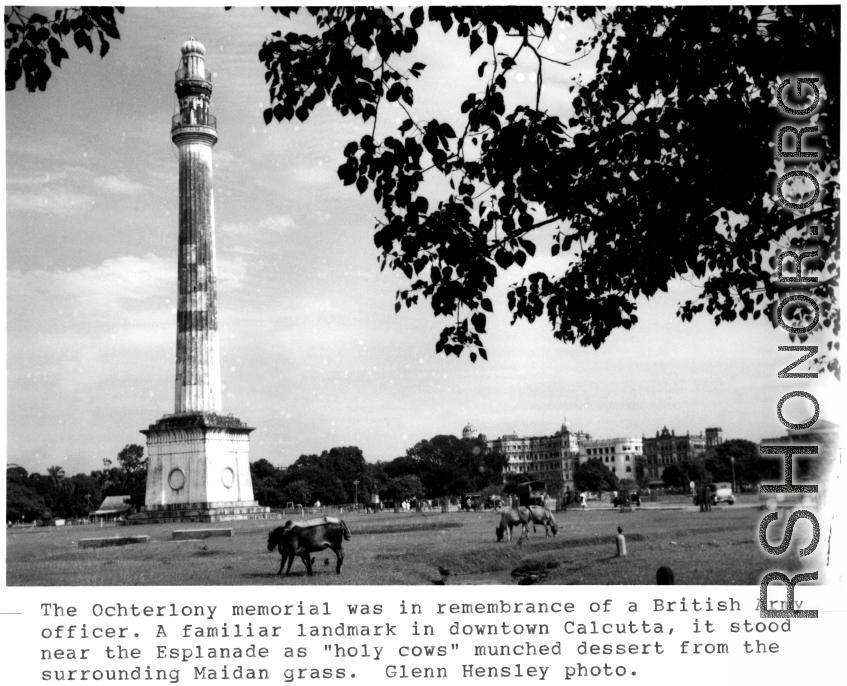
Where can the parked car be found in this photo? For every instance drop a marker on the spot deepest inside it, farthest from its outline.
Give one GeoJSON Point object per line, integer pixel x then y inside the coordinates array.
{"type": "Point", "coordinates": [718, 493]}
{"type": "Point", "coordinates": [634, 498]}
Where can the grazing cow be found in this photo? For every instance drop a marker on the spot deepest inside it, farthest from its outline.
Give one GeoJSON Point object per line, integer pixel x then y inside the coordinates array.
{"type": "Point", "coordinates": [310, 536]}
{"type": "Point", "coordinates": [511, 519]}
{"type": "Point", "coordinates": [542, 515]}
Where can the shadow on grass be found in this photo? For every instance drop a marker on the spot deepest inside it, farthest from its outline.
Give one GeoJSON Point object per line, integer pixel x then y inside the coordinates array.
{"type": "Point", "coordinates": [503, 556]}
{"type": "Point", "coordinates": [406, 527]}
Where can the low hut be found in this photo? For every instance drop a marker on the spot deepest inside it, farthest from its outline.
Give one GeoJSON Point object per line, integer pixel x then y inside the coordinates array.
{"type": "Point", "coordinates": [112, 508]}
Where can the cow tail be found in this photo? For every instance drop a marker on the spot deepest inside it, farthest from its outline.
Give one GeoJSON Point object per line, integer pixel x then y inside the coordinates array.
{"type": "Point", "coordinates": [346, 531]}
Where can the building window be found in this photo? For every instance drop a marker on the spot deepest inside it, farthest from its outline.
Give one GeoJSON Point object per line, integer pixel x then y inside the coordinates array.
{"type": "Point", "coordinates": [629, 469]}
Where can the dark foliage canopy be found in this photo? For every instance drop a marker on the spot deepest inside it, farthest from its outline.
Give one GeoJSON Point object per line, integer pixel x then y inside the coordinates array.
{"type": "Point", "coordinates": [448, 465]}
{"type": "Point", "coordinates": [593, 475]}
{"type": "Point", "coordinates": [32, 39]}
{"type": "Point", "coordinates": [749, 465]}
{"type": "Point", "coordinates": [131, 459]}
{"type": "Point", "coordinates": [681, 474]}
{"type": "Point", "coordinates": [327, 477]}
{"type": "Point", "coordinates": [404, 488]}
{"type": "Point", "coordinates": [661, 166]}
{"type": "Point", "coordinates": [23, 502]}
{"type": "Point", "coordinates": [57, 495]}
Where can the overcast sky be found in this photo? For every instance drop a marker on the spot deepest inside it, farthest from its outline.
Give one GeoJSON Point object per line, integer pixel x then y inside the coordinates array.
{"type": "Point", "coordinates": [313, 354]}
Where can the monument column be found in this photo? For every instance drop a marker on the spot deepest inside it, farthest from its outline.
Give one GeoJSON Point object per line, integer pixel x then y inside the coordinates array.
{"type": "Point", "coordinates": [198, 465]}
{"type": "Point", "coordinates": [194, 132]}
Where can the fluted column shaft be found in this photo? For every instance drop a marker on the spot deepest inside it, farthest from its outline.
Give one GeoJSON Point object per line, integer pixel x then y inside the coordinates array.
{"type": "Point", "coordinates": [198, 378]}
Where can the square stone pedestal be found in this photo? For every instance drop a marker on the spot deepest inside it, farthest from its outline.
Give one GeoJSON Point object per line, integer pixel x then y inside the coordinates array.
{"type": "Point", "coordinates": [198, 470]}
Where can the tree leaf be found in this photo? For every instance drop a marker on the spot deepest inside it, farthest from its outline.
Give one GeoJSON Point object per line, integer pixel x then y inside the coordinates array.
{"type": "Point", "coordinates": [394, 92]}
{"type": "Point", "coordinates": [83, 40]}
{"type": "Point", "coordinates": [475, 41]}
{"type": "Point", "coordinates": [416, 17]}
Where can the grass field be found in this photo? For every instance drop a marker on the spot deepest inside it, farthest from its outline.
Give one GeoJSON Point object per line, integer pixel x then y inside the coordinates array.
{"type": "Point", "coordinates": [407, 548]}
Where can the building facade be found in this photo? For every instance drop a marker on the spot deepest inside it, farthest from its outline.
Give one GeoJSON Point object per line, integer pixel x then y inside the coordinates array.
{"type": "Point", "coordinates": [714, 437]}
{"type": "Point", "coordinates": [557, 453]}
{"type": "Point", "coordinates": [564, 450]}
{"type": "Point", "coordinates": [618, 454]}
{"type": "Point", "coordinates": [667, 448]}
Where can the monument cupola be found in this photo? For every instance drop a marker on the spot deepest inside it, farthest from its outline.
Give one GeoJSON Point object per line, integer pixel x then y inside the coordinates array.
{"type": "Point", "coordinates": [193, 88]}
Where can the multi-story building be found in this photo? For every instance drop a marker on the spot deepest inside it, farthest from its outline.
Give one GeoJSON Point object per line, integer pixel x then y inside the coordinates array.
{"type": "Point", "coordinates": [542, 454]}
{"type": "Point", "coordinates": [618, 454]}
{"type": "Point", "coordinates": [714, 437]}
{"type": "Point", "coordinates": [564, 450]}
{"type": "Point", "coordinates": [667, 448]}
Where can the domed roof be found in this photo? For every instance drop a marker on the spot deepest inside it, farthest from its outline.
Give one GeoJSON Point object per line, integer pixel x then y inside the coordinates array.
{"type": "Point", "coordinates": [193, 45]}
{"type": "Point", "coordinates": [469, 431]}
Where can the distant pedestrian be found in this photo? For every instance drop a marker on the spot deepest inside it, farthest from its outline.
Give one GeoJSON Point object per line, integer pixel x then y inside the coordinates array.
{"type": "Point", "coordinates": [582, 500]}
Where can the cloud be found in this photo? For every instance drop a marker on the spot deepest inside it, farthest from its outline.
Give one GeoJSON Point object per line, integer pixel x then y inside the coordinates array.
{"type": "Point", "coordinates": [275, 225]}
{"type": "Point", "coordinates": [65, 191]}
{"type": "Point", "coordinates": [119, 184]}
{"type": "Point", "coordinates": [224, 160]}
{"type": "Point", "coordinates": [46, 300]}
{"type": "Point", "coordinates": [233, 272]}
{"type": "Point", "coordinates": [49, 202]}
{"type": "Point", "coordinates": [107, 319]}
{"type": "Point", "coordinates": [318, 174]}
{"type": "Point", "coordinates": [29, 181]}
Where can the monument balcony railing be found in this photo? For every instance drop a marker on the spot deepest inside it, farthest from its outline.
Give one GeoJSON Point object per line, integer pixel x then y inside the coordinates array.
{"type": "Point", "coordinates": [193, 118]}
{"type": "Point", "coordinates": [182, 74]}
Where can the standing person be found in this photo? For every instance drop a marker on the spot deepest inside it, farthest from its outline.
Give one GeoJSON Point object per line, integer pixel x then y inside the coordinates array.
{"type": "Point", "coordinates": [582, 500]}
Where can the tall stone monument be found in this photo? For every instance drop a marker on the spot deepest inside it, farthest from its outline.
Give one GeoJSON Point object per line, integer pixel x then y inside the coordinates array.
{"type": "Point", "coordinates": [198, 467]}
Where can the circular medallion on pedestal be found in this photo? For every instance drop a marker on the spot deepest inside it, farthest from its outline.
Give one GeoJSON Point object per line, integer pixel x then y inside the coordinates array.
{"type": "Point", "coordinates": [228, 477]}
{"type": "Point", "coordinates": [176, 479]}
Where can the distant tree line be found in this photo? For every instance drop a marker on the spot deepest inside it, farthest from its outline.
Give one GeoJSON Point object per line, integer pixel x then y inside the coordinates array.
{"type": "Point", "coordinates": [750, 468]}
{"type": "Point", "coordinates": [55, 495]}
{"type": "Point", "coordinates": [433, 468]}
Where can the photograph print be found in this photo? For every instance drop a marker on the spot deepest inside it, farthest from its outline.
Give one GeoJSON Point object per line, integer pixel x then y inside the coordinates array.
{"type": "Point", "coordinates": [422, 295]}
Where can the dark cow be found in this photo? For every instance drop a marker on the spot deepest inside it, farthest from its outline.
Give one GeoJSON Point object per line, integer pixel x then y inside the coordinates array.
{"type": "Point", "coordinates": [311, 536]}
